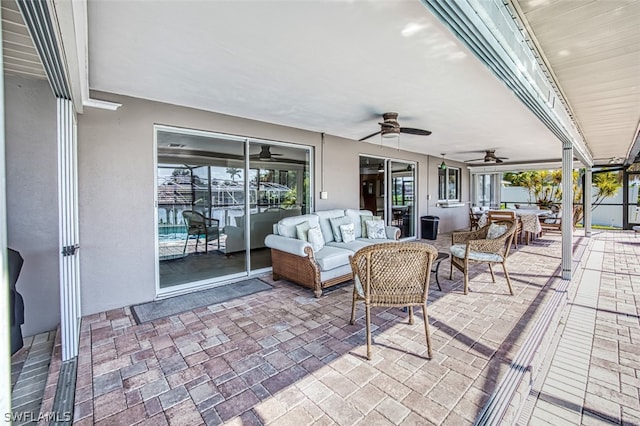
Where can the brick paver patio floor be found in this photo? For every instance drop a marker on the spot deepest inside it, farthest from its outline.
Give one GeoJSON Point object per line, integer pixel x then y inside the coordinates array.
{"type": "Point", "coordinates": [283, 357]}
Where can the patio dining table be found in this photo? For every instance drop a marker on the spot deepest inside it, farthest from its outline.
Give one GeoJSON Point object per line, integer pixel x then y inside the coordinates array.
{"type": "Point", "coordinates": [530, 220]}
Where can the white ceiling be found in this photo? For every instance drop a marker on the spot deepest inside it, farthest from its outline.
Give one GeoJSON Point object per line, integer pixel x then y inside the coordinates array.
{"type": "Point", "coordinates": [336, 66]}
{"type": "Point", "coordinates": [330, 67]}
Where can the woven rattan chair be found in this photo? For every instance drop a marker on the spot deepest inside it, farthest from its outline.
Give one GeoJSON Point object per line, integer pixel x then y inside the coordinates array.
{"type": "Point", "coordinates": [474, 246]}
{"type": "Point", "coordinates": [507, 215]}
{"type": "Point", "coordinates": [392, 274]}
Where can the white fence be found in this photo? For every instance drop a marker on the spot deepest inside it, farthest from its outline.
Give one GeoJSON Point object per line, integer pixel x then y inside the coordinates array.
{"type": "Point", "coordinates": [602, 215]}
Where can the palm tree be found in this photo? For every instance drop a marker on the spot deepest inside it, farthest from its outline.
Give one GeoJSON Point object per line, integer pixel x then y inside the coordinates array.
{"type": "Point", "coordinates": [233, 172]}
{"type": "Point", "coordinates": [546, 187]}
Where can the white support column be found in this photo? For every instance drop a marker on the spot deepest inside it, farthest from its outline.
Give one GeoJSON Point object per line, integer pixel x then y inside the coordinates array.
{"type": "Point", "coordinates": [586, 191]}
{"type": "Point", "coordinates": [567, 209]}
{"type": "Point", "coordinates": [5, 343]}
{"type": "Point", "coordinates": [68, 235]}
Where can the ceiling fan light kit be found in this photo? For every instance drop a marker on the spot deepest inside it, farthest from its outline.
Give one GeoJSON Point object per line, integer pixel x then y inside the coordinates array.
{"type": "Point", "coordinates": [390, 128]}
{"type": "Point", "coordinates": [489, 157]}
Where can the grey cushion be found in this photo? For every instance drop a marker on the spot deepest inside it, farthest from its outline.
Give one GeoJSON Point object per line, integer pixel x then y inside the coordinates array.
{"type": "Point", "coordinates": [376, 229]}
{"type": "Point", "coordinates": [287, 226]}
{"type": "Point", "coordinates": [356, 217]}
{"type": "Point", "coordinates": [335, 226]}
{"type": "Point", "coordinates": [302, 230]}
{"type": "Point", "coordinates": [323, 217]}
{"type": "Point", "coordinates": [496, 231]}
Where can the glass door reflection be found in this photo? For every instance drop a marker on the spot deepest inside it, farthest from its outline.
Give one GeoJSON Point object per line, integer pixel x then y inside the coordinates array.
{"type": "Point", "coordinates": [402, 197]}
{"type": "Point", "coordinates": [200, 191]}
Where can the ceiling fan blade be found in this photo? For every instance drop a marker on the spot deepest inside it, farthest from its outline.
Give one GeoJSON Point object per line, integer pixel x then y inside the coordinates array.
{"type": "Point", "coordinates": [413, 131]}
{"type": "Point", "coordinates": [498, 160]}
{"type": "Point", "coordinates": [371, 135]}
{"type": "Point", "coordinates": [476, 159]}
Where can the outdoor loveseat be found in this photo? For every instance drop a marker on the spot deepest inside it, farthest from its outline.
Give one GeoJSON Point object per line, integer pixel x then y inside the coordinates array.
{"type": "Point", "coordinates": [296, 259]}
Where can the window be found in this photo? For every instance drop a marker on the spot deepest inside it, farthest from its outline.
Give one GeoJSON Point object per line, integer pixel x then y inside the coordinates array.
{"type": "Point", "coordinates": [218, 197]}
{"type": "Point", "coordinates": [449, 184]}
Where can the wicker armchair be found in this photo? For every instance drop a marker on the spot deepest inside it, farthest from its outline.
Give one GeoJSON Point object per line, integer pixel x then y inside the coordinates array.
{"type": "Point", "coordinates": [506, 215]}
{"type": "Point", "coordinates": [475, 246]}
{"type": "Point", "coordinates": [395, 274]}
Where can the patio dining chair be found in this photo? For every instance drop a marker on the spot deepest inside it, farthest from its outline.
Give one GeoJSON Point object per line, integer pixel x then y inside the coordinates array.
{"type": "Point", "coordinates": [474, 217]}
{"type": "Point", "coordinates": [489, 244]}
{"type": "Point", "coordinates": [392, 275]}
{"type": "Point", "coordinates": [507, 215]}
{"type": "Point", "coordinates": [552, 221]}
{"type": "Point", "coordinates": [200, 225]}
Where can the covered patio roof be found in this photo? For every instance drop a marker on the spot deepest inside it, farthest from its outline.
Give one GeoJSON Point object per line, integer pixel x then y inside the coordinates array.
{"type": "Point", "coordinates": [335, 67]}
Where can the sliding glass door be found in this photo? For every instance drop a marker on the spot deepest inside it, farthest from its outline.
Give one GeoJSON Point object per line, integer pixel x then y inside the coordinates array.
{"type": "Point", "coordinates": [387, 188]}
{"type": "Point", "coordinates": [485, 189]}
{"type": "Point", "coordinates": [403, 179]}
{"type": "Point", "coordinates": [218, 197]}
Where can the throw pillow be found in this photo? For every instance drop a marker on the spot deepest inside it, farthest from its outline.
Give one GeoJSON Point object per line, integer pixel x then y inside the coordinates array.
{"type": "Point", "coordinates": [375, 229]}
{"type": "Point", "coordinates": [363, 223]}
{"type": "Point", "coordinates": [302, 229]}
{"type": "Point", "coordinates": [315, 239]}
{"type": "Point", "coordinates": [496, 231]}
{"type": "Point", "coordinates": [348, 232]}
{"type": "Point", "coordinates": [335, 226]}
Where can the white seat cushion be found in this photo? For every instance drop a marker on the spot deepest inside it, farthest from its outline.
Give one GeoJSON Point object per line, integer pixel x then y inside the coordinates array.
{"type": "Point", "coordinates": [332, 257]}
{"type": "Point", "coordinates": [459, 250]}
{"type": "Point", "coordinates": [353, 246]}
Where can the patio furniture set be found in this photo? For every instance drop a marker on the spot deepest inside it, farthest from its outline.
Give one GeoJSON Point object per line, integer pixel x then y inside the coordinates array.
{"type": "Point", "coordinates": [326, 248]}
{"type": "Point", "coordinates": [532, 221]}
{"type": "Point", "coordinates": [310, 249]}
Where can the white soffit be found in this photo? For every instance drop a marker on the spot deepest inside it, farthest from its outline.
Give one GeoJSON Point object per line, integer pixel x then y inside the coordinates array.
{"type": "Point", "coordinates": [19, 54]}
{"type": "Point", "coordinates": [593, 48]}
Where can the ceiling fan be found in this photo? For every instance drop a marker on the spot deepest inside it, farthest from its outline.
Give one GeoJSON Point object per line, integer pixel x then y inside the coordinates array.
{"type": "Point", "coordinates": [391, 127]}
{"type": "Point", "coordinates": [489, 157]}
{"type": "Point", "coordinates": [265, 154]}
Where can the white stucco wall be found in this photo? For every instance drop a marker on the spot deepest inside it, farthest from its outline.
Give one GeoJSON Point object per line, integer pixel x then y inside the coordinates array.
{"type": "Point", "coordinates": [116, 174]}
{"type": "Point", "coordinates": [32, 200]}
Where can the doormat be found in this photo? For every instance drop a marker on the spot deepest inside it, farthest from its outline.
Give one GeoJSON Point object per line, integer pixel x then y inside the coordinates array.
{"type": "Point", "coordinates": [150, 311]}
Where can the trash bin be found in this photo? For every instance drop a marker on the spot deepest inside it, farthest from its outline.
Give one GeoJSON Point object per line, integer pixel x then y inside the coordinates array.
{"type": "Point", "coordinates": [429, 227]}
